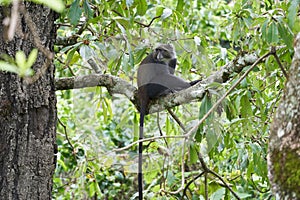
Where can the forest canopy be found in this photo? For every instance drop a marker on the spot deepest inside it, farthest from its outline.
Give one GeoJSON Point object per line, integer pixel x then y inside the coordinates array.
{"type": "Point", "coordinates": [207, 142]}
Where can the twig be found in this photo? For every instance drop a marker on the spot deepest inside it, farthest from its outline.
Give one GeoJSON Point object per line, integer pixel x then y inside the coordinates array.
{"type": "Point", "coordinates": [66, 134]}
{"type": "Point", "coordinates": [148, 25]}
{"type": "Point", "coordinates": [207, 170]}
{"type": "Point", "coordinates": [190, 182]}
{"type": "Point", "coordinates": [148, 139]}
{"type": "Point", "coordinates": [160, 130]}
{"type": "Point", "coordinates": [258, 189]}
{"type": "Point", "coordinates": [274, 53]}
{"type": "Point", "coordinates": [176, 119]}
{"type": "Point", "coordinates": [206, 186]}
{"type": "Point", "coordinates": [224, 182]}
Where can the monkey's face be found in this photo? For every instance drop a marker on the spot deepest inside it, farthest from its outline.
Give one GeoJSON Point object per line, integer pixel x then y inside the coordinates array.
{"type": "Point", "coordinates": [164, 53]}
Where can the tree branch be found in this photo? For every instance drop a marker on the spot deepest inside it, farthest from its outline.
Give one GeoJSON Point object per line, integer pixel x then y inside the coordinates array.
{"type": "Point", "coordinates": [116, 85]}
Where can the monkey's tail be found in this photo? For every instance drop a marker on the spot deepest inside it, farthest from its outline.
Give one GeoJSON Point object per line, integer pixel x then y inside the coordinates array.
{"type": "Point", "coordinates": [140, 162]}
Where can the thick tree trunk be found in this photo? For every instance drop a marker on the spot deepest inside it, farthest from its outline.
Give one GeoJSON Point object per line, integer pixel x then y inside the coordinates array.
{"type": "Point", "coordinates": [27, 114]}
{"type": "Point", "coordinates": [284, 146]}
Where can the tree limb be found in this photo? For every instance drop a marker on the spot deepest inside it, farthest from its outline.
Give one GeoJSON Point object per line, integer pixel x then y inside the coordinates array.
{"type": "Point", "coordinates": [116, 85]}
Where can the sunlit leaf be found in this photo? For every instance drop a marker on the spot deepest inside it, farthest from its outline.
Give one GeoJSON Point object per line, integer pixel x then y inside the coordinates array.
{"type": "Point", "coordinates": [5, 66]}
{"type": "Point", "coordinates": [142, 7]}
{"type": "Point", "coordinates": [159, 10]}
{"type": "Point", "coordinates": [32, 57]}
{"type": "Point", "coordinates": [264, 30]}
{"type": "Point", "coordinates": [21, 59]}
{"type": "Point", "coordinates": [180, 4]}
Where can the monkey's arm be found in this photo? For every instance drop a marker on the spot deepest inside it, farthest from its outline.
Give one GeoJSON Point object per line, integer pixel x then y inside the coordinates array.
{"type": "Point", "coordinates": [172, 65]}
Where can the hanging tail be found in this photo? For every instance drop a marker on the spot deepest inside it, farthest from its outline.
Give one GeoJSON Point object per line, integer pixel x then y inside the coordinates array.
{"type": "Point", "coordinates": [144, 100]}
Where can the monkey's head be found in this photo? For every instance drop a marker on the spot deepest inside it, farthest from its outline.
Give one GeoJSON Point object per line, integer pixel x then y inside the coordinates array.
{"type": "Point", "coordinates": [164, 53]}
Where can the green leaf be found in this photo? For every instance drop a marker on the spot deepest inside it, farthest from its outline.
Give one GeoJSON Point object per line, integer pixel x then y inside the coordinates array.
{"type": "Point", "coordinates": [246, 109]}
{"type": "Point", "coordinates": [139, 55]}
{"type": "Point", "coordinates": [5, 66]}
{"type": "Point", "coordinates": [32, 58]}
{"type": "Point", "coordinates": [135, 127]}
{"type": "Point", "coordinates": [87, 9]}
{"type": "Point", "coordinates": [285, 34]}
{"type": "Point", "coordinates": [272, 33]}
{"type": "Point", "coordinates": [56, 5]}
{"type": "Point", "coordinates": [86, 52]}
{"type": "Point", "coordinates": [264, 30]}
{"type": "Point", "coordinates": [218, 195]}
{"type": "Point", "coordinates": [21, 59]}
{"type": "Point", "coordinates": [159, 10]}
{"type": "Point", "coordinates": [142, 7]}
{"type": "Point", "coordinates": [243, 195]}
{"type": "Point", "coordinates": [292, 12]}
{"type": "Point", "coordinates": [179, 7]}
{"type": "Point", "coordinates": [206, 104]}
{"type": "Point", "coordinates": [193, 154]}
{"type": "Point", "coordinates": [122, 23]}
{"type": "Point", "coordinates": [70, 56]}
{"type": "Point", "coordinates": [5, 2]}
{"type": "Point", "coordinates": [75, 13]}
{"type": "Point", "coordinates": [92, 190]}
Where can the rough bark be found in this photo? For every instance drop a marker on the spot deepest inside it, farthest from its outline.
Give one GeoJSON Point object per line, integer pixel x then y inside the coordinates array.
{"type": "Point", "coordinates": [284, 146]}
{"type": "Point", "coordinates": [28, 114]}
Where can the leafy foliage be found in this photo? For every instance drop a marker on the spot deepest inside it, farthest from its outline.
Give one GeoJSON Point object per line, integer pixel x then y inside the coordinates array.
{"type": "Point", "coordinates": [116, 35]}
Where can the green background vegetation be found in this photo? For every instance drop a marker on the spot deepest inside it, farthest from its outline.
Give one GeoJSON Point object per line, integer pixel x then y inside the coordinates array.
{"type": "Point", "coordinates": [207, 35]}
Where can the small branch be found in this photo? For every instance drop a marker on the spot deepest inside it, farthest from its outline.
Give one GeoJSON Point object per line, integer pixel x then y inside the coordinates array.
{"type": "Point", "coordinates": [176, 119]}
{"type": "Point", "coordinates": [274, 53]}
{"type": "Point", "coordinates": [190, 182]}
{"type": "Point", "coordinates": [160, 130]}
{"type": "Point", "coordinates": [206, 186]}
{"type": "Point", "coordinates": [224, 182]}
{"type": "Point", "coordinates": [66, 133]}
{"type": "Point", "coordinates": [147, 140]}
{"type": "Point", "coordinates": [148, 25]}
